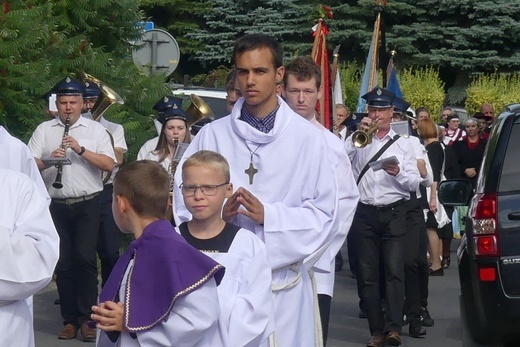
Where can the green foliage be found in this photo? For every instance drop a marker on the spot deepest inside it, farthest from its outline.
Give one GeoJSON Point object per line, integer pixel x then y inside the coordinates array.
{"type": "Point", "coordinates": [350, 74]}
{"type": "Point", "coordinates": [42, 41]}
{"type": "Point", "coordinates": [497, 89]}
{"type": "Point", "coordinates": [179, 18]}
{"type": "Point", "coordinates": [422, 87]}
{"type": "Point", "coordinates": [216, 78]}
{"type": "Point", "coordinates": [228, 20]}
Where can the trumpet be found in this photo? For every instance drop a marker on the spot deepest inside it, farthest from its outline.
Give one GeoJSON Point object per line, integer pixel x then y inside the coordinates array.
{"type": "Point", "coordinates": [361, 138]}
{"type": "Point", "coordinates": [57, 182]}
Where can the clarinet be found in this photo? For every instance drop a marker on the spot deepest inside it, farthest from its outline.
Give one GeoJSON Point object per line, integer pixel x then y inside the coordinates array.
{"type": "Point", "coordinates": [57, 182]}
{"type": "Point", "coordinates": [173, 168]}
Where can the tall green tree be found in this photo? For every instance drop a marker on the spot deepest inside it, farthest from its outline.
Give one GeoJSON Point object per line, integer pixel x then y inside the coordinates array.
{"type": "Point", "coordinates": [289, 21]}
{"type": "Point", "coordinates": [42, 41]}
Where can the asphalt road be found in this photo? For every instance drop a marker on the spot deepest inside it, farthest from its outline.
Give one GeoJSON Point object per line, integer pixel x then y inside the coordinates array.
{"type": "Point", "coordinates": [346, 329]}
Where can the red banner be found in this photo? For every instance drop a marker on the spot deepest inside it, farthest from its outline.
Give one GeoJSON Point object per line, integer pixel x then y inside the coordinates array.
{"type": "Point", "coordinates": [321, 57]}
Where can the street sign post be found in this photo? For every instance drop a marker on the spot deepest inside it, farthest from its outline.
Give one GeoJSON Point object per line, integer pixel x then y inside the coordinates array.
{"type": "Point", "coordinates": [157, 52]}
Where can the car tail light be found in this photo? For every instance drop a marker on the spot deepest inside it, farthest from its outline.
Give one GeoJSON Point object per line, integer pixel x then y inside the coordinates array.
{"type": "Point", "coordinates": [485, 215]}
{"type": "Point", "coordinates": [486, 245]}
{"type": "Point", "coordinates": [484, 220]}
{"type": "Point", "coordinates": [487, 274]}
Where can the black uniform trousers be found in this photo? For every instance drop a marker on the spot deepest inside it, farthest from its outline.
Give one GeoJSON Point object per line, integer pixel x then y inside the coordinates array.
{"type": "Point", "coordinates": [76, 272]}
{"type": "Point", "coordinates": [109, 238]}
{"type": "Point", "coordinates": [416, 264]}
{"type": "Point", "coordinates": [379, 242]}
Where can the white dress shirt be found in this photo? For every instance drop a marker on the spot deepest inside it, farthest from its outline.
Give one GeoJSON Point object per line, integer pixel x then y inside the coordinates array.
{"type": "Point", "coordinates": [379, 188]}
{"type": "Point", "coordinates": [80, 178]}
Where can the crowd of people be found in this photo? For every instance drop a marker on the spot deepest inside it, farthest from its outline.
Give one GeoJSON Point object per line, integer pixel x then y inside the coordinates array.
{"type": "Point", "coordinates": [237, 222]}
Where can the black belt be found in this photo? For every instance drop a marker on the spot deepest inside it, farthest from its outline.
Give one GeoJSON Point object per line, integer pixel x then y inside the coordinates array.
{"type": "Point", "coordinates": [71, 201]}
{"type": "Point", "coordinates": [385, 207]}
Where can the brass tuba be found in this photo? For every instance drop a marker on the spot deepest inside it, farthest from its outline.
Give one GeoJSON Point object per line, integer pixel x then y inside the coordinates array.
{"type": "Point", "coordinates": [107, 98]}
{"type": "Point", "coordinates": [361, 138]}
{"type": "Point", "coordinates": [198, 110]}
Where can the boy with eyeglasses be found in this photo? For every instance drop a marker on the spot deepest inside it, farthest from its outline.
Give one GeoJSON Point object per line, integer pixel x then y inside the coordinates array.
{"type": "Point", "coordinates": [245, 296]}
{"type": "Point", "coordinates": [162, 291]}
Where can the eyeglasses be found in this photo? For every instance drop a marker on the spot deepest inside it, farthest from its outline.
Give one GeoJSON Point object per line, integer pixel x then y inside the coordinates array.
{"type": "Point", "coordinates": [208, 190]}
{"type": "Point", "coordinates": [446, 114]}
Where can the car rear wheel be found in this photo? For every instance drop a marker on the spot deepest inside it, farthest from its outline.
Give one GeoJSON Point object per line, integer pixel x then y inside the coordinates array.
{"type": "Point", "coordinates": [479, 332]}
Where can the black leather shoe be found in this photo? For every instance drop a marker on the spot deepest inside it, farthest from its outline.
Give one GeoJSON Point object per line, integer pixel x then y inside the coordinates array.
{"type": "Point", "coordinates": [445, 262]}
{"type": "Point", "coordinates": [438, 272]}
{"type": "Point", "coordinates": [393, 338]}
{"type": "Point", "coordinates": [362, 315]}
{"type": "Point", "coordinates": [416, 330]}
{"type": "Point", "coordinates": [426, 319]}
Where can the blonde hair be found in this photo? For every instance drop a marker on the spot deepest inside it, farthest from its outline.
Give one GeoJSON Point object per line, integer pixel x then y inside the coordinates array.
{"type": "Point", "coordinates": [208, 159]}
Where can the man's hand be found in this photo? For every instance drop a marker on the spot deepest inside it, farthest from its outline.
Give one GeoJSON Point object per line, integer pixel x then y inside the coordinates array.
{"type": "Point", "coordinates": [58, 153]}
{"type": "Point", "coordinates": [69, 141]}
{"type": "Point", "coordinates": [230, 209]}
{"type": "Point", "coordinates": [254, 209]}
{"type": "Point", "coordinates": [108, 316]}
{"type": "Point", "coordinates": [391, 169]}
{"type": "Point", "coordinates": [365, 124]}
{"type": "Point", "coordinates": [470, 172]}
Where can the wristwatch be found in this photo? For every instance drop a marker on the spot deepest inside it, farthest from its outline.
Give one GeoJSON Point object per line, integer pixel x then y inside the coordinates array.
{"type": "Point", "coordinates": [82, 151]}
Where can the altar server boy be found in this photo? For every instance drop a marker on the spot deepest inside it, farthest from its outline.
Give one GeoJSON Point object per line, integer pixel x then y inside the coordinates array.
{"type": "Point", "coordinates": [162, 291]}
{"type": "Point", "coordinates": [245, 294]}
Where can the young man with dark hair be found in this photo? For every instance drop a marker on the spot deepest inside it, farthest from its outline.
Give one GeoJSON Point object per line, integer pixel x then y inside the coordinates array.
{"type": "Point", "coordinates": [301, 91]}
{"type": "Point", "coordinates": [285, 194]}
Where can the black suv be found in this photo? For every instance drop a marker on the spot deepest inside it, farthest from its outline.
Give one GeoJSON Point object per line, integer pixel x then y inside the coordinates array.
{"type": "Point", "coordinates": [489, 253]}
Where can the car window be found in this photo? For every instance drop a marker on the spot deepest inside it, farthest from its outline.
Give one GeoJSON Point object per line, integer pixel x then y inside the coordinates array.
{"type": "Point", "coordinates": [510, 178]}
{"type": "Point", "coordinates": [218, 106]}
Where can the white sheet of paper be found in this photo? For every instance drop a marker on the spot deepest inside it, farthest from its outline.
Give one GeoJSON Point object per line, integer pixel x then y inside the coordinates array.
{"type": "Point", "coordinates": [378, 164]}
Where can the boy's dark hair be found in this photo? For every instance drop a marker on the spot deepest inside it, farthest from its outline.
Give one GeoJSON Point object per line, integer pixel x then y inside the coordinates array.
{"type": "Point", "coordinates": [209, 159]}
{"type": "Point", "coordinates": [230, 80]}
{"type": "Point", "coordinates": [251, 42]}
{"type": "Point", "coordinates": [304, 69]}
{"type": "Point", "coordinates": [146, 185]}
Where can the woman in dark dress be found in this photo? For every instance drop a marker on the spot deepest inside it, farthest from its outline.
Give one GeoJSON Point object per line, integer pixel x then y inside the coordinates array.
{"type": "Point", "coordinates": [451, 171]}
{"type": "Point", "coordinates": [470, 152]}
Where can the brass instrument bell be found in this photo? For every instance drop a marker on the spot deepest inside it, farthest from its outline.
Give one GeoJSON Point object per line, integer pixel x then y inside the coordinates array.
{"type": "Point", "coordinates": [198, 110]}
{"type": "Point", "coordinates": [107, 98]}
{"type": "Point", "coordinates": [361, 138]}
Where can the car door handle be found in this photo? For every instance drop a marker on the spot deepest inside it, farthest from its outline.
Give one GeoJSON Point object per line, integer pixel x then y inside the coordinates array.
{"type": "Point", "coordinates": [514, 216]}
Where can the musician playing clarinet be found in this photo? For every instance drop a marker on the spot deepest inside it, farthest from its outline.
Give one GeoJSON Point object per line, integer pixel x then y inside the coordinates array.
{"type": "Point", "coordinates": [75, 207]}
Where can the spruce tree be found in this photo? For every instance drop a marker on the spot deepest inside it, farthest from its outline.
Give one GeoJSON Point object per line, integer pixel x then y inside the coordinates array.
{"type": "Point", "coordinates": [288, 21]}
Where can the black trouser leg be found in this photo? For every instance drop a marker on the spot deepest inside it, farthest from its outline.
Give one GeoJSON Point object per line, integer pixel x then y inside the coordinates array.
{"type": "Point", "coordinates": [324, 301]}
{"type": "Point", "coordinates": [109, 238]}
{"type": "Point", "coordinates": [351, 249]}
{"type": "Point", "coordinates": [381, 234]}
{"type": "Point", "coordinates": [422, 264]}
{"type": "Point", "coordinates": [76, 271]}
{"type": "Point", "coordinates": [411, 269]}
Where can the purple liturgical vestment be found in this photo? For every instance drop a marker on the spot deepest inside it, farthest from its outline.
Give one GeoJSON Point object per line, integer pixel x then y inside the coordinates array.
{"type": "Point", "coordinates": [165, 268]}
